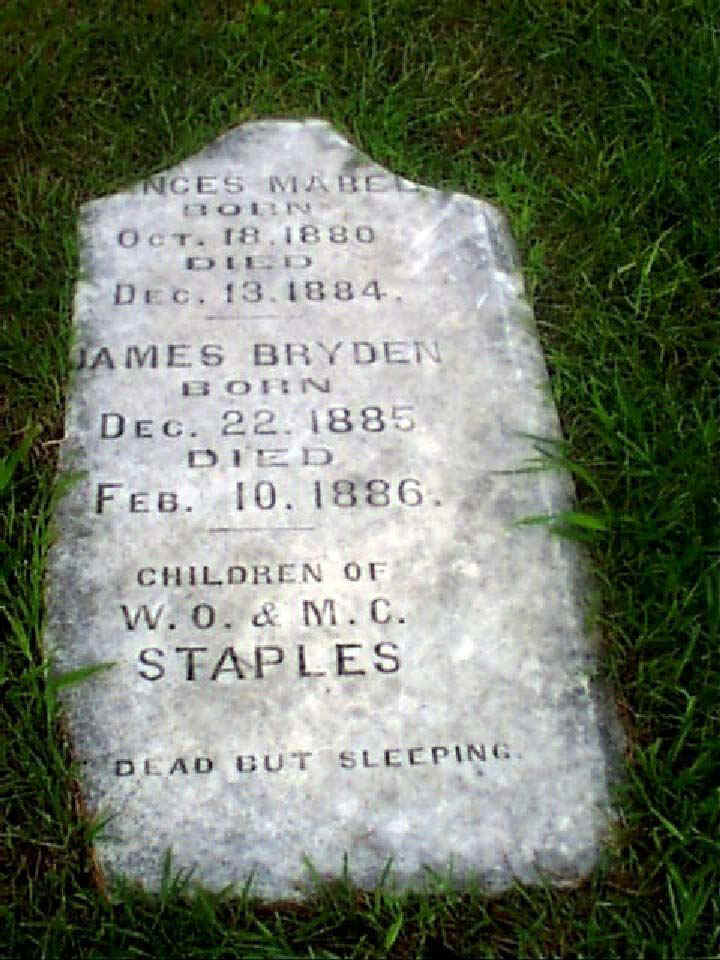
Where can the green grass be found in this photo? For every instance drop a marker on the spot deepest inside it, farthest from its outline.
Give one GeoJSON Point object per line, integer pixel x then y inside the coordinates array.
{"type": "Point", "coordinates": [595, 126]}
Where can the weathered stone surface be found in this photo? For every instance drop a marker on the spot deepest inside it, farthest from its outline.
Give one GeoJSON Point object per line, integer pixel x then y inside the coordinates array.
{"type": "Point", "coordinates": [302, 386]}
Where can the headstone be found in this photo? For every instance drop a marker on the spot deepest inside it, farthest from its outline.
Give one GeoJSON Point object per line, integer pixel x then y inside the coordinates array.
{"type": "Point", "coordinates": [303, 390]}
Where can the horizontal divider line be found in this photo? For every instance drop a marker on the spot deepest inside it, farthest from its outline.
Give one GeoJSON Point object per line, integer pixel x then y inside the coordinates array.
{"type": "Point", "coordinates": [241, 316]}
{"type": "Point", "coordinates": [245, 529]}
{"type": "Point", "coordinates": [264, 316]}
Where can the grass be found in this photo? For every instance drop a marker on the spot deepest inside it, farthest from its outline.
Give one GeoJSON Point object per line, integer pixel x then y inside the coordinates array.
{"type": "Point", "coordinates": [595, 126]}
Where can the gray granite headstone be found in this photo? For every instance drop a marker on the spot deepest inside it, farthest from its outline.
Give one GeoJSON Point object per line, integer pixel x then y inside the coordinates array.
{"type": "Point", "coordinates": [303, 388]}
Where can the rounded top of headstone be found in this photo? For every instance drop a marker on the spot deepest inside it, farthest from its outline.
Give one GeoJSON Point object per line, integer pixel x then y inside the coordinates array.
{"type": "Point", "coordinates": [282, 135]}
